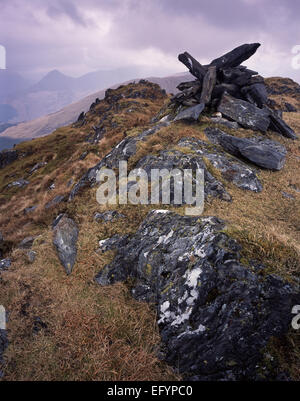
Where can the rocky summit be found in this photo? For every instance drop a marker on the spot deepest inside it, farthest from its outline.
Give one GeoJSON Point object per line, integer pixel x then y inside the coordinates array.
{"type": "Point", "coordinates": [145, 292]}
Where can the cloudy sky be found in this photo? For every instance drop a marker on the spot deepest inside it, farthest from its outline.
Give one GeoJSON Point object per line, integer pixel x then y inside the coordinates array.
{"type": "Point", "coordinates": [77, 36]}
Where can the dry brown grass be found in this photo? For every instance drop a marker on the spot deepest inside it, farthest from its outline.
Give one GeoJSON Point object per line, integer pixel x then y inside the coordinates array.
{"type": "Point", "coordinates": [96, 333]}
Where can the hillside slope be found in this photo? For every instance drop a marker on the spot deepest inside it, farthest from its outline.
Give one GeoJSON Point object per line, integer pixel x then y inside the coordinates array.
{"type": "Point", "coordinates": [47, 124]}
{"type": "Point", "coordinates": [246, 245]}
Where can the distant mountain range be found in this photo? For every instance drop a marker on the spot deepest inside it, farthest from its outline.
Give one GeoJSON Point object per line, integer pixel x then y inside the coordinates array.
{"type": "Point", "coordinates": [46, 124]}
{"type": "Point", "coordinates": [21, 100]}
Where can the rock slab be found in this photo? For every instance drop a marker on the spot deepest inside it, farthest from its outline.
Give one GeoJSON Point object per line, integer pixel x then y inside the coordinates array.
{"type": "Point", "coordinates": [215, 315]}
{"type": "Point", "coordinates": [65, 236]}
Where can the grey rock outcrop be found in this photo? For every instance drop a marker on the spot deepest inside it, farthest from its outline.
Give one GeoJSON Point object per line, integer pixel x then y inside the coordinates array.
{"type": "Point", "coordinates": [215, 315]}
{"type": "Point", "coordinates": [231, 168]}
{"type": "Point", "coordinates": [65, 236]}
{"type": "Point", "coordinates": [245, 113]}
{"type": "Point", "coordinates": [263, 152]}
{"type": "Point", "coordinates": [123, 151]}
{"type": "Point", "coordinates": [191, 113]}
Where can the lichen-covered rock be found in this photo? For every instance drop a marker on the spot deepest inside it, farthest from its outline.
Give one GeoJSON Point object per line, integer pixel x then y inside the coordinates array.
{"type": "Point", "coordinates": [246, 114]}
{"type": "Point", "coordinates": [215, 315]}
{"type": "Point", "coordinates": [231, 168]}
{"type": "Point", "coordinates": [65, 235]}
{"type": "Point", "coordinates": [258, 150]}
{"type": "Point", "coordinates": [174, 159]}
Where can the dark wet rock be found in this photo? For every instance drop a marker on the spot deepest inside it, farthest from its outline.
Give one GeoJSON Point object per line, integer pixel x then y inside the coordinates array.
{"type": "Point", "coordinates": [263, 152]}
{"type": "Point", "coordinates": [256, 94]}
{"type": "Point", "coordinates": [5, 264]}
{"type": "Point", "coordinates": [26, 243]}
{"type": "Point", "coordinates": [19, 183]}
{"type": "Point", "coordinates": [65, 236]}
{"type": "Point", "coordinates": [209, 82]}
{"type": "Point", "coordinates": [193, 65]}
{"type": "Point", "coordinates": [245, 113]}
{"type": "Point", "coordinates": [215, 315]}
{"type": "Point", "coordinates": [30, 209]}
{"type": "Point", "coordinates": [191, 113]}
{"type": "Point", "coordinates": [231, 168]}
{"type": "Point", "coordinates": [236, 56]}
{"type": "Point", "coordinates": [108, 216]}
{"type": "Point", "coordinates": [56, 201]}
{"type": "Point", "coordinates": [112, 243]}
{"type": "Point", "coordinates": [7, 157]}
{"type": "Point", "coordinates": [31, 256]}
{"type": "Point", "coordinates": [81, 116]}
{"type": "Point", "coordinates": [123, 151]}
{"type": "Point", "coordinates": [278, 125]}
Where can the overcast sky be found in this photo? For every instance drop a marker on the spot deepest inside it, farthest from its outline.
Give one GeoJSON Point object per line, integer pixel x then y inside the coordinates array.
{"type": "Point", "coordinates": [82, 36]}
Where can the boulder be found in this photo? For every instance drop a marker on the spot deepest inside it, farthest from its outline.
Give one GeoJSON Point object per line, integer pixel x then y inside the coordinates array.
{"type": "Point", "coordinates": [215, 315]}
{"type": "Point", "coordinates": [245, 113]}
{"type": "Point", "coordinates": [191, 113]}
{"type": "Point", "coordinates": [263, 152]}
{"type": "Point", "coordinates": [65, 236]}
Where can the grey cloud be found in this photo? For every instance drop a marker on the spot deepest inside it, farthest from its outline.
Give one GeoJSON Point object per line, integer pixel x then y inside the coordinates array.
{"type": "Point", "coordinates": [206, 28]}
